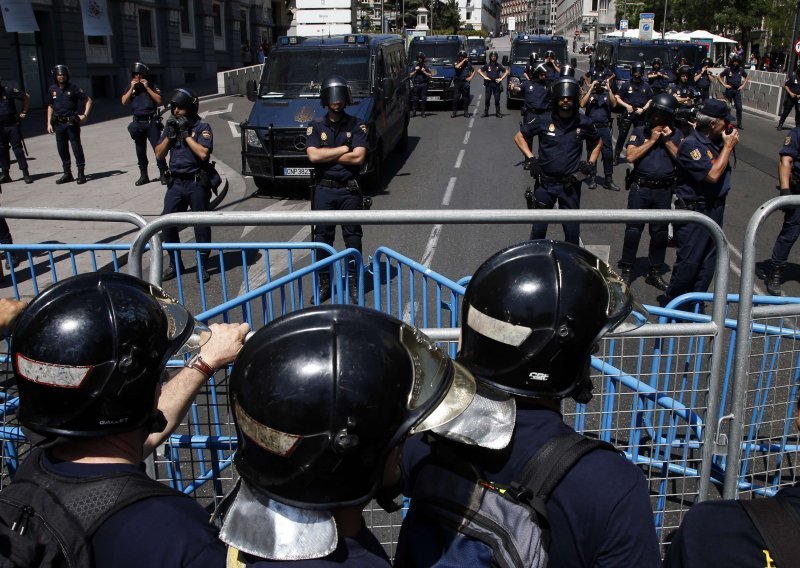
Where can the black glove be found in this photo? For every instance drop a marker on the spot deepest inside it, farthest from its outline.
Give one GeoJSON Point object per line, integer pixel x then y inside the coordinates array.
{"type": "Point", "coordinates": [784, 191]}
{"type": "Point", "coordinates": [170, 132]}
{"type": "Point", "coordinates": [585, 168]}
{"type": "Point", "coordinates": [533, 166]}
{"type": "Point", "coordinates": [183, 127]}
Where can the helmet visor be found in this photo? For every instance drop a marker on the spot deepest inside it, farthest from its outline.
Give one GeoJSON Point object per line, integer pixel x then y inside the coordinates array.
{"type": "Point", "coordinates": [623, 311]}
{"type": "Point", "coordinates": [181, 324]}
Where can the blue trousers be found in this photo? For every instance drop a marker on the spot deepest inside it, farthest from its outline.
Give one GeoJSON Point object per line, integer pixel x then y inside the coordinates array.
{"type": "Point", "coordinates": [734, 97]}
{"type": "Point", "coordinates": [568, 196]}
{"type": "Point", "coordinates": [69, 134]}
{"type": "Point", "coordinates": [142, 133]}
{"type": "Point", "coordinates": [419, 96]}
{"type": "Point", "coordinates": [643, 197]}
{"type": "Point", "coordinates": [11, 138]}
{"type": "Point", "coordinates": [787, 237]}
{"type": "Point", "coordinates": [607, 152]}
{"type": "Point", "coordinates": [337, 199]}
{"type": "Point", "coordinates": [181, 196]}
{"type": "Point", "coordinates": [492, 88]}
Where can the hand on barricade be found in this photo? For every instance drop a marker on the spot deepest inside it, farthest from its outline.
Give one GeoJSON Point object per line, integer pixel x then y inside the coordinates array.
{"type": "Point", "coordinates": [9, 310]}
{"type": "Point", "coordinates": [226, 341]}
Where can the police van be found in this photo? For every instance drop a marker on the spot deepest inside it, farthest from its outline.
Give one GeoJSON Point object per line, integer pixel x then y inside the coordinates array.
{"type": "Point", "coordinates": [693, 53]}
{"type": "Point", "coordinates": [476, 50]}
{"type": "Point", "coordinates": [621, 53]}
{"type": "Point", "coordinates": [441, 54]}
{"type": "Point", "coordinates": [286, 101]}
{"type": "Point", "coordinates": [522, 47]}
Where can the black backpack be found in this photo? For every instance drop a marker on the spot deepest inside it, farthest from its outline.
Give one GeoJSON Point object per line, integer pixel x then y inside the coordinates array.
{"type": "Point", "coordinates": [48, 519]}
{"type": "Point", "coordinates": [509, 520]}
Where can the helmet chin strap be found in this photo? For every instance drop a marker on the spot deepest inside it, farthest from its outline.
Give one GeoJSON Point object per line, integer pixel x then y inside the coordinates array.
{"type": "Point", "coordinates": [583, 389]}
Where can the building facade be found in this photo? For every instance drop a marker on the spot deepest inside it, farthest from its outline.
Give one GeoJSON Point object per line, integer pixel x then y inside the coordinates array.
{"type": "Point", "coordinates": [184, 42]}
{"type": "Point", "coordinates": [584, 20]}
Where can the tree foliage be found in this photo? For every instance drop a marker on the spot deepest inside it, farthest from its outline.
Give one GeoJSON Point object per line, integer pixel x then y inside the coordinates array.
{"type": "Point", "coordinates": [442, 15]}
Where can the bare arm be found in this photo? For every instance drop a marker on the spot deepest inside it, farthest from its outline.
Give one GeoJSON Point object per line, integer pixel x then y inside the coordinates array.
{"type": "Point", "coordinates": [128, 95]}
{"type": "Point", "coordinates": [585, 98]}
{"type": "Point", "coordinates": [162, 148]}
{"type": "Point", "coordinates": [522, 144]}
{"type": "Point", "coordinates": [10, 309]}
{"type": "Point", "coordinates": [85, 116]}
{"type": "Point", "coordinates": [746, 80]}
{"type": "Point", "coordinates": [325, 155]}
{"type": "Point", "coordinates": [354, 157]}
{"type": "Point", "coordinates": [719, 167]}
{"type": "Point", "coordinates": [26, 104]}
{"type": "Point", "coordinates": [197, 149]}
{"type": "Point", "coordinates": [784, 171]}
{"type": "Point", "coordinates": [49, 119]}
{"type": "Point", "coordinates": [596, 151]}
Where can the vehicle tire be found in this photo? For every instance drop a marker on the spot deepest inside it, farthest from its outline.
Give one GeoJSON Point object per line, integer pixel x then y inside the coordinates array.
{"type": "Point", "coordinates": [402, 144]}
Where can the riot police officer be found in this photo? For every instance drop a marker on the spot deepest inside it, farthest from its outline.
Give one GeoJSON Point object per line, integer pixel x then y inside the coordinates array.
{"type": "Point", "coordinates": [11, 131]}
{"type": "Point", "coordinates": [652, 149]}
{"type": "Point", "coordinates": [791, 99]}
{"type": "Point", "coordinates": [734, 78]}
{"type": "Point", "coordinates": [559, 160]}
{"type": "Point", "coordinates": [64, 120]}
{"type": "Point", "coordinates": [553, 69]}
{"type": "Point", "coordinates": [704, 180]}
{"type": "Point", "coordinates": [533, 62]}
{"type": "Point", "coordinates": [493, 74]}
{"type": "Point", "coordinates": [189, 142]}
{"type": "Point", "coordinates": [597, 103]}
{"type": "Point", "coordinates": [634, 96]}
{"type": "Point", "coordinates": [599, 72]}
{"type": "Point", "coordinates": [464, 72]}
{"type": "Point", "coordinates": [420, 75]}
{"type": "Point", "coordinates": [657, 77]}
{"type": "Point", "coordinates": [702, 79]}
{"type": "Point", "coordinates": [536, 93]}
{"type": "Point", "coordinates": [683, 91]}
{"type": "Point", "coordinates": [144, 98]}
{"type": "Point", "coordinates": [337, 146]}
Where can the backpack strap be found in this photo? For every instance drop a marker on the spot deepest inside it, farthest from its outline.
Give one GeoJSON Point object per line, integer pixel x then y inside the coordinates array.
{"type": "Point", "coordinates": [778, 523]}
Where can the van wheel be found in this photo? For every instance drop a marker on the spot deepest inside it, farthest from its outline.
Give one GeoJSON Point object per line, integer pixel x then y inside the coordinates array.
{"type": "Point", "coordinates": [402, 144]}
{"type": "Point", "coordinates": [263, 185]}
{"type": "Point", "coordinates": [373, 182]}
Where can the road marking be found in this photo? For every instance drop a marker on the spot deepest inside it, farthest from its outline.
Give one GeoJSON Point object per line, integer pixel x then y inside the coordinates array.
{"type": "Point", "coordinates": [234, 126]}
{"type": "Point", "coordinates": [472, 120]}
{"type": "Point", "coordinates": [257, 276]}
{"type": "Point", "coordinates": [427, 258]}
{"type": "Point", "coordinates": [459, 159]}
{"type": "Point", "coordinates": [602, 252]}
{"type": "Point", "coordinates": [466, 137]}
{"type": "Point", "coordinates": [448, 193]}
{"type": "Point", "coordinates": [282, 205]}
{"type": "Point", "coordinates": [206, 113]}
{"type": "Point", "coordinates": [736, 267]}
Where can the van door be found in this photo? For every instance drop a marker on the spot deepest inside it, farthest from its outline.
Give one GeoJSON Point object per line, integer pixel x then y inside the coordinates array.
{"type": "Point", "coordinates": [384, 104]}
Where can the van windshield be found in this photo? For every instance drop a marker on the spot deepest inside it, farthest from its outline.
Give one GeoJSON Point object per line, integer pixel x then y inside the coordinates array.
{"type": "Point", "coordinates": [435, 53]}
{"type": "Point", "coordinates": [629, 54]}
{"type": "Point", "coordinates": [475, 43]}
{"type": "Point", "coordinates": [522, 52]}
{"type": "Point", "coordinates": [689, 51]}
{"type": "Point", "coordinates": [299, 72]}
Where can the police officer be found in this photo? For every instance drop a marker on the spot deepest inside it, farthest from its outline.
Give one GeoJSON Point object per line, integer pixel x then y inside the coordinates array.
{"type": "Point", "coordinates": [560, 149]}
{"type": "Point", "coordinates": [597, 103]}
{"type": "Point", "coordinates": [536, 93]}
{"type": "Point", "coordinates": [634, 96]}
{"type": "Point", "coordinates": [652, 149]}
{"type": "Point", "coordinates": [702, 79]}
{"type": "Point", "coordinates": [11, 131]}
{"type": "Point", "coordinates": [493, 74]}
{"type": "Point", "coordinates": [789, 180]}
{"type": "Point", "coordinates": [11, 259]}
{"type": "Point", "coordinates": [553, 69]}
{"type": "Point", "coordinates": [420, 75]}
{"type": "Point", "coordinates": [532, 314]}
{"type": "Point", "coordinates": [657, 77]}
{"type": "Point", "coordinates": [145, 99]}
{"type": "Point", "coordinates": [64, 120]}
{"type": "Point", "coordinates": [600, 72]}
{"type": "Point", "coordinates": [89, 354]}
{"type": "Point", "coordinates": [464, 72]}
{"type": "Point", "coordinates": [533, 62]}
{"type": "Point", "coordinates": [683, 91]}
{"type": "Point", "coordinates": [337, 146]}
{"type": "Point", "coordinates": [315, 446]}
{"type": "Point", "coordinates": [791, 99]}
{"type": "Point", "coordinates": [704, 180]}
{"type": "Point", "coordinates": [189, 142]}
{"type": "Point", "coordinates": [733, 79]}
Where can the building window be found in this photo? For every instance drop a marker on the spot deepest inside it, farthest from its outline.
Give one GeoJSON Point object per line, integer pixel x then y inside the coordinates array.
{"type": "Point", "coordinates": [187, 24]}
{"type": "Point", "coordinates": [148, 46]}
{"type": "Point", "coordinates": [219, 26]}
{"type": "Point", "coordinates": [98, 49]}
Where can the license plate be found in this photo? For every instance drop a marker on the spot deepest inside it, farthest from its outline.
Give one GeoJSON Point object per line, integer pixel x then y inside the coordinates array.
{"type": "Point", "coordinates": [433, 98]}
{"type": "Point", "coordinates": [297, 171]}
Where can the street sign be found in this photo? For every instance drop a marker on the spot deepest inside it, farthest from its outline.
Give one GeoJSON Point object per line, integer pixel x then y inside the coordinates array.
{"type": "Point", "coordinates": [623, 25]}
{"type": "Point", "coordinates": [797, 47]}
{"type": "Point", "coordinates": [647, 22]}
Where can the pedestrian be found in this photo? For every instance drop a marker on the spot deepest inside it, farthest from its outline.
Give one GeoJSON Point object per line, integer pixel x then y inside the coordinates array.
{"type": "Point", "coordinates": [558, 165]}
{"type": "Point", "coordinates": [652, 149]}
{"type": "Point", "coordinates": [702, 79]}
{"type": "Point", "coordinates": [493, 74]}
{"type": "Point", "coordinates": [11, 119]}
{"type": "Point", "coordinates": [337, 146]}
{"type": "Point", "coordinates": [733, 79]}
{"type": "Point", "coordinates": [420, 75]}
{"type": "Point", "coordinates": [64, 119]}
{"type": "Point", "coordinates": [189, 142]}
{"type": "Point", "coordinates": [89, 355]}
{"type": "Point", "coordinates": [789, 180]}
{"type": "Point", "coordinates": [464, 72]}
{"type": "Point", "coordinates": [657, 77]}
{"type": "Point", "coordinates": [144, 98]}
{"type": "Point", "coordinates": [791, 99]}
{"type": "Point", "coordinates": [553, 68]}
{"type": "Point", "coordinates": [597, 103]}
{"type": "Point", "coordinates": [634, 96]}
{"type": "Point", "coordinates": [246, 55]}
{"type": "Point", "coordinates": [263, 51]}
{"type": "Point", "coordinates": [704, 180]}
{"type": "Point", "coordinates": [314, 447]}
{"type": "Point", "coordinates": [532, 315]}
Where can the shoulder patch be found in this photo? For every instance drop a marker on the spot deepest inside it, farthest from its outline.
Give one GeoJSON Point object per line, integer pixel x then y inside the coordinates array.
{"type": "Point", "coordinates": [787, 141]}
{"type": "Point", "coordinates": [632, 138]}
{"type": "Point", "coordinates": [695, 154]}
{"type": "Point", "coordinates": [15, 90]}
{"type": "Point", "coordinates": [309, 130]}
{"type": "Point", "coordinates": [364, 129]}
{"type": "Point", "coordinates": [206, 134]}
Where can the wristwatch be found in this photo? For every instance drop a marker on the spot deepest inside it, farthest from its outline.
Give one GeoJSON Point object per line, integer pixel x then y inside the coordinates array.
{"type": "Point", "coordinates": [199, 364]}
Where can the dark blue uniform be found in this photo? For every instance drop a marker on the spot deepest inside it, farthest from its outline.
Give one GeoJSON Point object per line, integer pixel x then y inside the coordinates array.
{"type": "Point", "coordinates": [560, 150]}
{"type": "Point", "coordinates": [637, 95]}
{"type": "Point", "coordinates": [789, 102]}
{"type": "Point", "coordinates": [703, 84]}
{"type": "Point", "coordinates": [682, 90]}
{"type": "Point", "coordinates": [537, 99]}
{"type": "Point", "coordinates": [145, 125]}
{"type": "Point", "coordinates": [419, 88]}
{"type": "Point", "coordinates": [659, 80]}
{"type": "Point", "coordinates": [719, 533]}
{"type": "Point", "coordinates": [461, 87]}
{"type": "Point", "coordinates": [170, 531]}
{"type": "Point", "coordinates": [734, 76]}
{"type": "Point", "coordinates": [552, 73]}
{"type": "Point", "coordinates": [694, 266]}
{"type": "Point", "coordinates": [598, 110]}
{"type": "Point", "coordinates": [336, 185]}
{"type": "Point", "coordinates": [362, 551]}
{"type": "Point", "coordinates": [491, 87]}
{"type": "Point", "coordinates": [653, 180]}
{"type": "Point", "coordinates": [791, 216]}
{"type": "Point", "coordinates": [599, 513]}
{"type": "Point", "coordinates": [10, 133]}
{"type": "Point", "coordinates": [66, 103]}
{"type": "Point", "coordinates": [597, 74]}
{"type": "Point", "coordinates": [185, 190]}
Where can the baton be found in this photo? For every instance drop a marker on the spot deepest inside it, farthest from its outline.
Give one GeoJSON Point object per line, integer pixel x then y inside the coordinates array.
{"type": "Point", "coordinates": [22, 138]}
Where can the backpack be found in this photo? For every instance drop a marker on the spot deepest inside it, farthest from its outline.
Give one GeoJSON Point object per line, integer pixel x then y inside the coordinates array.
{"type": "Point", "coordinates": [509, 523]}
{"type": "Point", "coordinates": [48, 519]}
{"type": "Point", "coordinates": [777, 521]}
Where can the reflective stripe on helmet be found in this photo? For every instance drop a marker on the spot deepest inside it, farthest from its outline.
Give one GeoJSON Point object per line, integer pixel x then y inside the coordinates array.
{"type": "Point", "coordinates": [496, 329]}
{"type": "Point", "coordinates": [64, 376]}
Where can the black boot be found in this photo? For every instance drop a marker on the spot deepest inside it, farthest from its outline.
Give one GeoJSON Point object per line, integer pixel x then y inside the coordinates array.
{"type": "Point", "coordinates": [498, 115]}
{"type": "Point", "coordinates": [609, 184]}
{"type": "Point", "coordinates": [66, 178]}
{"type": "Point", "coordinates": [486, 112]}
{"type": "Point", "coordinates": [654, 279]}
{"type": "Point", "coordinates": [81, 175]}
{"type": "Point", "coordinates": [4, 177]}
{"type": "Point", "coordinates": [774, 281]}
{"type": "Point", "coordinates": [27, 177]}
{"type": "Point", "coordinates": [143, 179]}
{"type": "Point", "coordinates": [627, 275]}
{"type": "Point", "coordinates": [453, 115]}
{"type": "Point", "coordinates": [324, 288]}
{"type": "Point", "coordinates": [779, 127]}
{"type": "Point", "coordinates": [162, 176]}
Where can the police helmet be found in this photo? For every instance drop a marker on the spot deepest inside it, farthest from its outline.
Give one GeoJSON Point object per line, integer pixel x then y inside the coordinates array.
{"type": "Point", "coordinates": [656, 61]}
{"type": "Point", "coordinates": [567, 71]}
{"type": "Point", "coordinates": [549, 53]}
{"type": "Point", "coordinates": [637, 67]}
{"type": "Point", "coordinates": [462, 53]}
{"type": "Point", "coordinates": [540, 70]}
{"type": "Point", "coordinates": [321, 396]}
{"type": "Point", "coordinates": [493, 55]}
{"type": "Point", "coordinates": [706, 62]}
{"type": "Point", "coordinates": [736, 59]}
{"type": "Point", "coordinates": [335, 89]}
{"type": "Point", "coordinates": [565, 87]}
{"type": "Point", "coordinates": [420, 55]}
{"type": "Point", "coordinates": [140, 68]}
{"type": "Point", "coordinates": [185, 99]}
{"type": "Point", "coordinates": [684, 70]}
{"type": "Point", "coordinates": [60, 70]}
{"type": "Point", "coordinates": [532, 314]}
{"type": "Point", "coordinates": [601, 60]}
{"type": "Point", "coordinates": [532, 57]}
{"type": "Point", "coordinates": [89, 351]}
{"type": "Point", "coordinates": [665, 103]}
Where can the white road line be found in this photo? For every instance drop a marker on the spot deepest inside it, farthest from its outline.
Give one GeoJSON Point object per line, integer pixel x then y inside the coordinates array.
{"type": "Point", "coordinates": [282, 205]}
{"type": "Point", "coordinates": [234, 126]}
{"type": "Point", "coordinates": [279, 262]}
{"type": "Point", "coordinates": [206, 113]}
{"type": "Point", "coordinates": [466, 137]}
{"type": "Point", "coordinates": [737, 268]}
{"type": "Point", "coordinates": [459, 159]}
{"type": "Point", "coordinates": [472, 120]}
{"type": "Point", "coordinates": [448, 193]}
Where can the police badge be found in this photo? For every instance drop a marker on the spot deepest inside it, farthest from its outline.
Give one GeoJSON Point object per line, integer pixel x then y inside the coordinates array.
{"type": "Point", "coordinates": [552, 127]}
{"type": "Point", "coordinates": [695, 154]}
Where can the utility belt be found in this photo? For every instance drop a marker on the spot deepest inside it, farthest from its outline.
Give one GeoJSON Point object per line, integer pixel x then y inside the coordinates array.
{"type": "Point", "coordinates": [699, 205]}
{"type": "Point", "coordinates": [351, 184]}
{"type": "Point", "coordinates": [650, 182]}
{"type": "Point", "coordinates": [185, 177]}
{"type": "Point", "coordinates": [73, 119]}
{"type": "Point", "coordinates": [602, 124]}
{"type": "Point", "coordinates": [545, 179]}
{"type": "Point", "coordinates": [145, 118]}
